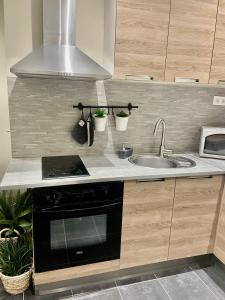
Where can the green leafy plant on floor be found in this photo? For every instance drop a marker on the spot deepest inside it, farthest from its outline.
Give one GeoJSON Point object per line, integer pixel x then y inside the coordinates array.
{"type": "Point", "coordinates": [15, 212]}
{"type": "Point", "coordinates": [100, 113]}
{"type": "Point", "coordinates": [15, 257]}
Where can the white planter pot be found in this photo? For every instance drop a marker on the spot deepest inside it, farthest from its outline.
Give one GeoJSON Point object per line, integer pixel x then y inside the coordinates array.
{"type": "Point", "coordinates": [16, 284]}
{"type": "Point", "coordinates": [100, 123]}
{"type": "Point", "coordinates": [121, 123]}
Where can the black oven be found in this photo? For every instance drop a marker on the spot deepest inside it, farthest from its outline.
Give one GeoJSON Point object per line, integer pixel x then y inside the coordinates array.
{"type": "Point", "coordinates": [76, 225]}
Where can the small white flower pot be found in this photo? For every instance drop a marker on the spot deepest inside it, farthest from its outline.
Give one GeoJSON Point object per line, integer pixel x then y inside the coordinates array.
{"type": "Point", "coordinates": [100, 123]}
{"type": "Point", "coordinates": [121, 123]}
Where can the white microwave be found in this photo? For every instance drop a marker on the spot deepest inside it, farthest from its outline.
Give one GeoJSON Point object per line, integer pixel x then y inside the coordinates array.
{"type": "Point", "coordinates": [212, 142]}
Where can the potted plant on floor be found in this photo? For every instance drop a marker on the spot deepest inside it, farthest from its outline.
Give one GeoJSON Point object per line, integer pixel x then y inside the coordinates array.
{"type": "Point", "coordinates": [100, 117]}
{"type": "Point", "coordinates": [122, 121]}
{"type": "Point", "coordinates": [15, 213]}
{"type": "Point", "coordinates": [15, 265]}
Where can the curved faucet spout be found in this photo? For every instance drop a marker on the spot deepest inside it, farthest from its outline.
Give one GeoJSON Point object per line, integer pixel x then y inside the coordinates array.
{"type": "Point", "coordinates": [162, 151]}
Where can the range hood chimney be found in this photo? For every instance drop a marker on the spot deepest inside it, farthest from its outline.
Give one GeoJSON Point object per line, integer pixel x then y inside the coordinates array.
{"type": "Point", "coordinates": [59, 57]}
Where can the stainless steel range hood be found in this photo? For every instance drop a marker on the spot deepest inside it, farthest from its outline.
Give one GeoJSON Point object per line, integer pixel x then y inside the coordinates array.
{"type": "Point", "coordinates": [59, 56]}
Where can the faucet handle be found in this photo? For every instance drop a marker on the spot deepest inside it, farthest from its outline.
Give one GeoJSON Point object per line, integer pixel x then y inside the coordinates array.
{"type": "Point", "coordinates": [167, 152]}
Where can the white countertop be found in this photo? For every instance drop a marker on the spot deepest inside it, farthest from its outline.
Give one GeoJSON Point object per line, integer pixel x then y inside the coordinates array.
{"type": "Point", "coordinates": [26, 173]}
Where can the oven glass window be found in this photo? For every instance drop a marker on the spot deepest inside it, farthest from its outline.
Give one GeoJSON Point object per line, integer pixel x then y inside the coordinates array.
{"type": "Point", "coordinates": [80, 232]}
{"type": "Point", "coordinates": [215, 144]}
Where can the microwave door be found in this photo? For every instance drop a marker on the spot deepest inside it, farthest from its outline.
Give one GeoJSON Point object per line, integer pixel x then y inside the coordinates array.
{"type": "Point", "coordinates": [215, 144]}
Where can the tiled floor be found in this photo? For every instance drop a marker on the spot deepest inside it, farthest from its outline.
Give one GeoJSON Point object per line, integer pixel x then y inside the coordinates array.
{"type": "Point", "coordinates": [189, 283]}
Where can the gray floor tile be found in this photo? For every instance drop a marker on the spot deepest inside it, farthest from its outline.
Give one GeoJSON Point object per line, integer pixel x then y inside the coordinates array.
{"type": "Point", "coordinates": [149, 290]}
{"type": "Point", "coordinates": [214, 279]}
{"type": "Point", "coordinates": [110, 294]}
{"type": "Point", "coordinates": [29, 296]}
{"type": "Point", "coordinates": [6, 296]}
{"type": "Point", "coordinates": [186, 286]}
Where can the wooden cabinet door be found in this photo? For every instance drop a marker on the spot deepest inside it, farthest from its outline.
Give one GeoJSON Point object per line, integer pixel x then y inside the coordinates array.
{"type": "Point", "coordinates": [141, 38]}
{"type": "Point", "coordinates": [146, 227]}
{"type": "Point", "coordinates": [191, 37]}
{"type": "Point", "coordinates": [195, 216]}
{"type": "Point", "coordinates": [218, 59]}
{"type": "Point", "coordinates": [219, 248]}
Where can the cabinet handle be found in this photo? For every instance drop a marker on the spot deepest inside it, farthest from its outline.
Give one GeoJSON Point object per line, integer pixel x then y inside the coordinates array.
{"type": "Point", "coordinates": [138, 77]}
{"type": "Point", "coordinates": [199, 177]}
{"type": "Point", "coordinates": [150, 180]}
{"type": "Point", "coordinates": [186, 79]}
{"type": "Point", "coordinates": [221, 81]}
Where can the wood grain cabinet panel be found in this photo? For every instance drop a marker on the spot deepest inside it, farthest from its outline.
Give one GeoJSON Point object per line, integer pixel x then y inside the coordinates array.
{"type": "Point", "coordinates": [146, 227]}
{"type": "Point", "coordinates": [141, 38]}
{"type": "Point", "coordinates": [191, 38]}
{"type": "Point", "coordinates": [76, 272]}
{"type": "Point", "coordinates": [195, 216]}
{"type": "Point", "coordinates": [219, 248]}
{"type": "Point", "coordinates": [218, 59]}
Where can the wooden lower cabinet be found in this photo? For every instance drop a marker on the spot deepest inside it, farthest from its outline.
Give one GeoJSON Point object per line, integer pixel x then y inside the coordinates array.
{"type": "Point", "coordinates": [195, 216]}
{"type": "Point", "coordinates": [219, 248]}
{"type": "Point", "coordinates": [147, 213]}
{"type": "Point", "coordinates": [168, 219]}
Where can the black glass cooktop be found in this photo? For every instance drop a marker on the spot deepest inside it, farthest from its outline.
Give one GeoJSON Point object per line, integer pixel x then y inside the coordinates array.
{"type": "Point", "coordinates": [63, 166]}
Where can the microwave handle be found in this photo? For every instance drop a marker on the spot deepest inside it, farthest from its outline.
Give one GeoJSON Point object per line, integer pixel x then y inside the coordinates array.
{"type": "Point", "coordinates": [77, 210]}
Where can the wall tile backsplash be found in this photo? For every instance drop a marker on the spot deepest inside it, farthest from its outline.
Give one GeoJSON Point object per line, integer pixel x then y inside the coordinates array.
{"type": "Point", "coordinates": [42, 117]}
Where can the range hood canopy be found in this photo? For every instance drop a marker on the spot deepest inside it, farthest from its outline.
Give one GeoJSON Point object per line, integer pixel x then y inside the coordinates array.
{"type": "Point", "coordinates": [59, 56]}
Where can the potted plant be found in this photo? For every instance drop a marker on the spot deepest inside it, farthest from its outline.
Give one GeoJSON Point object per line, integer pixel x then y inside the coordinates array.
{"type": "Point", "coordinates": [15, 213]}
{"type": "Point", "coordinates": [15, 265]}
{"type": "Point", "coordinates": [100, 119]}
{"type": "Point", "coordinates": [122, 121]}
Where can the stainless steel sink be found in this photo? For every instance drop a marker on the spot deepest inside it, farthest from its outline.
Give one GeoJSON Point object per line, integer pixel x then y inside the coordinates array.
{"type": "Point", "coordinates": [157, 162]}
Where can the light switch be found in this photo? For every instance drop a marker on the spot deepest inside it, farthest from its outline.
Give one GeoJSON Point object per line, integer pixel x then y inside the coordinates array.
{"type": "Point", "coordinates": [218, 100]}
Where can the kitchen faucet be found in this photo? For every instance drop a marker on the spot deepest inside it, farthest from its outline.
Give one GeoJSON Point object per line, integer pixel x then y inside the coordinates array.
{"type": "Point", "coordinates": [162, 150]}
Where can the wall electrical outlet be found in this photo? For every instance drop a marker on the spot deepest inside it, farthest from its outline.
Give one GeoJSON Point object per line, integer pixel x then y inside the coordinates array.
{"type": "Point", "coordinates": [218, 100]}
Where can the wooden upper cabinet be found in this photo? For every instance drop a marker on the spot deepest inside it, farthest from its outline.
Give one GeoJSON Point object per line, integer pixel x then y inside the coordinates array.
{"type": "Point", "coordinates": [218, 59]}
{"type": "Point", "coordinates": [147, 213]}
{"type": "Point", "coordinates": [141, 38]}
{"type": "Point", "coordinates": [195, 216]}
{"type": "Point", "coordinates": [191, 38]}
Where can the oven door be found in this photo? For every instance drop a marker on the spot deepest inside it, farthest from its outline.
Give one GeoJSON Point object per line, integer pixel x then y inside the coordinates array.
{"type": "Point", "coordinates": [65, 238]}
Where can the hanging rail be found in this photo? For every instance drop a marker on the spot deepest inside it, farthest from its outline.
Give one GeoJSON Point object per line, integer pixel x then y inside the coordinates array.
{"type": "Point", "coordinates": [129, 106]}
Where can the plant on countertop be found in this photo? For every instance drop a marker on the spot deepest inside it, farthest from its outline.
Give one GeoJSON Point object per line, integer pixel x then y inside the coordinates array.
{"type": "Point", "coordinates": [100, 113]}
{"type": "Point", "coordinates": [122, 121]}
{"type": "Point", "coordinates": [15, 264]}
{"type": "Point", "coordinates": [15, 212]}
{"type": "Point", "coordinates": [100, 117]}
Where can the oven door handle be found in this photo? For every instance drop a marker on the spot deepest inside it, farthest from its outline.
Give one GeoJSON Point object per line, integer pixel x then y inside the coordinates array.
{"type": "Point", "coordinates": [79, 210]}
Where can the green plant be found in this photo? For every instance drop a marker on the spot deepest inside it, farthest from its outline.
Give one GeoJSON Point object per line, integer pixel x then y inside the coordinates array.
{"type": "Point", "coordinates": [100, 113]}
{"type": "Point", "coordinates": [15, 257]}
{"type": "Point", "coordinates": [15, 211]}
{"type": "Point", "coordinates": [122, 114]}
